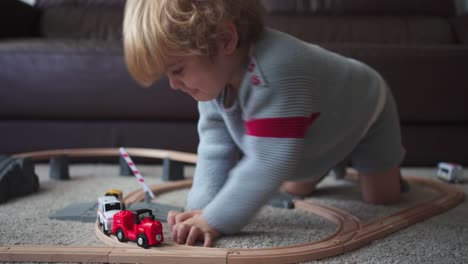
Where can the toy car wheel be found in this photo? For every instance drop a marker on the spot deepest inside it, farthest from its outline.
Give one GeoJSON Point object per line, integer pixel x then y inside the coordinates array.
{"type": "Point", "coordinates": [120, 235]}
{"type": "Point", "coordinates": [159, 237]}
{"type": "Point", "coordinates": [104, 231]}
{"type": "Point", "coordinates": [142, 241]}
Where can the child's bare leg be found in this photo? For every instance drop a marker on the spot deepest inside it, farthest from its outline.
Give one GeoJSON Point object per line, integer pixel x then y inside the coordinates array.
{"type": "Point", "coordinates": [300, 188]}
{"type": "Point", "coordinates": [381, 188]}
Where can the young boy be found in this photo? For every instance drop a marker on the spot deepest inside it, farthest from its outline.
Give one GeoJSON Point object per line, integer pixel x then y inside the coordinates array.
{"type": "Point", "coordinates": [276, 113]}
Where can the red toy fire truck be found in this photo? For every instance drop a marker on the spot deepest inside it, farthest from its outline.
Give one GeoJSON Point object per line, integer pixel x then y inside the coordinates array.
{"type": "Point", "coordinates": [139, 226]}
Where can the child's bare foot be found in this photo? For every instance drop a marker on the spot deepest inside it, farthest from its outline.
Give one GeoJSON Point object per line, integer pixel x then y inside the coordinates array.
{"type": "Point", "coordinates": [301, 188]}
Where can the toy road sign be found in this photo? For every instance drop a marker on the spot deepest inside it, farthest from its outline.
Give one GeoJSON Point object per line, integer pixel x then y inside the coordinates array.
{"type": "Point", "coordinates": [136, 172]}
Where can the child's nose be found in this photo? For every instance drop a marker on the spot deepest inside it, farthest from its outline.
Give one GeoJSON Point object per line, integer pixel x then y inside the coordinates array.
{"type": "Point", "coordinates": [175, 84]}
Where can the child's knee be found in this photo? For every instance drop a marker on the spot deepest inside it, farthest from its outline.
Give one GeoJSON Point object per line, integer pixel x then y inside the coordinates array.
{"type": "Point", "coordinates": [381, 188]}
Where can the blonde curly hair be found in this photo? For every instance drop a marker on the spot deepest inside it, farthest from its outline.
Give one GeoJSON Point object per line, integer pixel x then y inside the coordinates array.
{"type": "Point", "coordinates": [155, 30]}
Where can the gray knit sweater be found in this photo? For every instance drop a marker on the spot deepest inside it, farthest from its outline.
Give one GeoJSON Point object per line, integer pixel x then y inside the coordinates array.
{"type": "Point", "coordinates": [301, 109]}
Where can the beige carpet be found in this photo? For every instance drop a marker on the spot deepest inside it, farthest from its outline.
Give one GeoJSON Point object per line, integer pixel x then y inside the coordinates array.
{"type": "Point", "coordinates": [441, 239]}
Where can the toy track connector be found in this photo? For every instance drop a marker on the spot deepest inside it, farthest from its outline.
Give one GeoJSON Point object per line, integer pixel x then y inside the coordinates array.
{"type": "Point", "coordinates": [59, 168]}
{"type": "Point", "coordinates": [173, 170]}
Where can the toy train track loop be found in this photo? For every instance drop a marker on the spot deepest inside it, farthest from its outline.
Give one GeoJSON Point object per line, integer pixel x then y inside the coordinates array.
{"type": "Point", "coordinates": [350, 234]}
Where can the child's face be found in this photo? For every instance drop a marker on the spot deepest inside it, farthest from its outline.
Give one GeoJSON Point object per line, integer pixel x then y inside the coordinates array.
{"type": "Point", "coordinates": [201, 77]}
{"type": "Point", "coordinates": [205, 77]}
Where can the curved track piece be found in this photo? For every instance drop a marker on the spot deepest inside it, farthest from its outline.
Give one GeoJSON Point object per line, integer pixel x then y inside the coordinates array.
{"type": "Point", "coordinates": [350, 233]}
{"type": "Point", "coordinates": [110, 152]}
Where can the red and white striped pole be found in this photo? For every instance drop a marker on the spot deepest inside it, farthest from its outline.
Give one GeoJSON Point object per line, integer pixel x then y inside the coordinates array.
{"type": "Point", "coordinates": [136, 172]}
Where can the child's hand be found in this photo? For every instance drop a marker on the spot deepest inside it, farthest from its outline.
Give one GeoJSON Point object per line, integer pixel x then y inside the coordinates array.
{"type": "Point", "coordinates": [189, 227]}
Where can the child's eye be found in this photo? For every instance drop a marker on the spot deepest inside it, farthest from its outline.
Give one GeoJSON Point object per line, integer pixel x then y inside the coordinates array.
{"type": "Point", "coordinates": [178, 71]}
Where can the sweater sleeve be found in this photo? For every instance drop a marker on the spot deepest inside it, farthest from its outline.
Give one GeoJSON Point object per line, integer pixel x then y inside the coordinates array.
{"type": "Point", "coordinates": [276, 120]}
{"type": "Point", "coordinates": [217, 154]}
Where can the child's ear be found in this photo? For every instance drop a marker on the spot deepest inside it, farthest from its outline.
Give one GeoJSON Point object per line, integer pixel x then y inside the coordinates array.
{"type": "Point", "coordinates": [228, 38]}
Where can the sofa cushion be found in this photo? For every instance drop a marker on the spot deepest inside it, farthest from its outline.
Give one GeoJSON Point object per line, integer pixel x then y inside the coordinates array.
{"type": "Point", "coordinates": [362, 7]}
{"type": "Point", "coordinates": [77, 3]}
{"type": "Point", "coordinates": [460, 24]}
{"type": "Point", "coordinates": [81, 80]}
{"type": "Point", "coordinates": [82, 22]}
{"type": "Point", "coordinates": [428, 82]}
{"type": "Point", "coordinates": [365, 29]}
{"type": "Point", "coordinates": [428, 144]}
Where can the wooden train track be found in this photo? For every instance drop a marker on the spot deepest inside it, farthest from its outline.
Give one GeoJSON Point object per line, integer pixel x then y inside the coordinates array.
{"type": "Point", "coordinates": [350, 234]}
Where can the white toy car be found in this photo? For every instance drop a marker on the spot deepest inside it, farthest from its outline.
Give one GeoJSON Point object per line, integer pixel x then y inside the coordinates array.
{"type": "Point", "coordinates": [108, 206]}
{"type": "Point", "coordinates": [450, 172]}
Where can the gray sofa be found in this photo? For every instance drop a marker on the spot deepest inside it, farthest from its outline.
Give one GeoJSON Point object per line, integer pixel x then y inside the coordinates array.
{"type": "Point", "coordinates": [64, 83]}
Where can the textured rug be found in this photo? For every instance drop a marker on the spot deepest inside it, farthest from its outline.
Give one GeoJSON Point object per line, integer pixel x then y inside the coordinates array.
{"type": "Point", "coordinates": [440, 239]}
